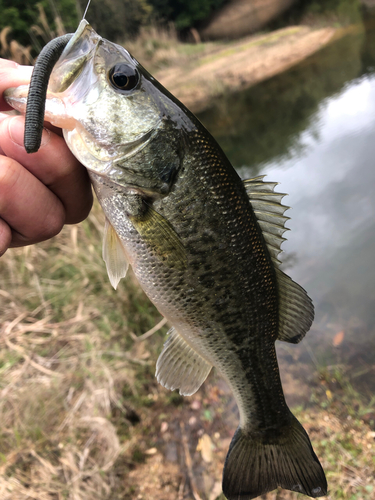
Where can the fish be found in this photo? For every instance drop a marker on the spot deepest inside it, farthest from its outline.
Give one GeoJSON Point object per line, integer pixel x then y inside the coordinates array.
{"type": "Point", "coordinates": [203, 244]}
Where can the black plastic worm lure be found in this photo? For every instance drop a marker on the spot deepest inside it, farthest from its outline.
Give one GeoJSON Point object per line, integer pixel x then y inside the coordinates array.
{"type": "Point", "coordinates": [38, 91]}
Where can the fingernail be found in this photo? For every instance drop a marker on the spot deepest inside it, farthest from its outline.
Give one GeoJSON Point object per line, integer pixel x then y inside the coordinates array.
{"type": "Point", "coordinates": [16, 131]}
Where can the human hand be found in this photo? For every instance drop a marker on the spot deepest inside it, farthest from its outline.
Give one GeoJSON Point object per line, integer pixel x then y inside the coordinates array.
{"type": "Point", "coordinates": [39, 192]}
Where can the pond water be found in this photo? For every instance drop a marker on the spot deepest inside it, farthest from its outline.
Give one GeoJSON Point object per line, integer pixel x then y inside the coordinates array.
{"type": "Point", "coordinates": [312, 129]}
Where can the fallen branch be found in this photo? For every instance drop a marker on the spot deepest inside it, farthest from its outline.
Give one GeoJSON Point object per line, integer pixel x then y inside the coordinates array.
{"type": "Point", "coordinates": [189, 463]}
{"type": "Point", "coordinates": [148, 334]}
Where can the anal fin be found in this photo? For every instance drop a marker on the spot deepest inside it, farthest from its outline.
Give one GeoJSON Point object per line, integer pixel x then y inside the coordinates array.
{"type": "Point", "coordinates": [179, 366]}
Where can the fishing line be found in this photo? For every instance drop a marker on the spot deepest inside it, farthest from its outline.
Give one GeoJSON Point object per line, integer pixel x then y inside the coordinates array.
{"type": "Point", "coordinates": [36, 99]}
{"type": "Point", "coordinates": [87, 6]}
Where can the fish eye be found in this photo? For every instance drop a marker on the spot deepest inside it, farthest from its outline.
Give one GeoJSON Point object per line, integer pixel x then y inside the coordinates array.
{"type": "Point", "coordinates": [123, 77]}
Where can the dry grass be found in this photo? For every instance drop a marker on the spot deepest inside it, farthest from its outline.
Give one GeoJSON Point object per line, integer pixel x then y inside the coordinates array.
{"type": "Point", "coordinates": [11, 49]}
{"type": "Point", "coordinates": [158, 47]}
{"type": "Point", "coordinates": [66, 359]}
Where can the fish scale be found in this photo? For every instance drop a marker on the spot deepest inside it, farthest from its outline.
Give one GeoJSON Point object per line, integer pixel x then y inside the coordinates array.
{"type": "Point", "coordinates": [202, 243]}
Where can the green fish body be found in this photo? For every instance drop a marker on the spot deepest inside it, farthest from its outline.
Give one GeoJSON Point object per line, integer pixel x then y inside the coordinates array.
{"type": "Point", "coordinates": [203, 245]}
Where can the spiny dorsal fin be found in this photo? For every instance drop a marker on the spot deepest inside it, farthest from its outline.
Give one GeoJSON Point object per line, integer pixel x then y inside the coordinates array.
{"type": "Point", "coordinates": [113, 255]}
{"type": "Point", "coordinates": [179, 366]}
{"type": "Point", "coordinates": [269, 212]}
{"type": "Point", "coordinates": [296, 311]}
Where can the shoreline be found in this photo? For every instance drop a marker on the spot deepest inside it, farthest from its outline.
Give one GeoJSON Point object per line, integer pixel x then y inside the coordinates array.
{"type": "Point", "coordinates": [237, 65]}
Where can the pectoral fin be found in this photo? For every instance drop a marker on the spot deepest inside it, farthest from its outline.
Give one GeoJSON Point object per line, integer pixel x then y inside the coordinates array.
{"type": "Point", "coordinates": [158, 233]}
{"type": "Point", "coordinates": [114, 255]}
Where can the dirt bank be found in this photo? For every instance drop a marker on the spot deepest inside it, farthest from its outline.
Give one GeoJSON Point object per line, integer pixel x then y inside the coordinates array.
{"type": "Point", "coordinates": [239, 18]}
{"type": "Point", "coordinates": [242, 63]}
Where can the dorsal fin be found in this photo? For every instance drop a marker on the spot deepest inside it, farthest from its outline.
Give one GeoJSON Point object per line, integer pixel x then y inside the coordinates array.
{"type": "Point", "coordinates": [296, 311]}
{"type": "Point", "coordinates": [269, 212]}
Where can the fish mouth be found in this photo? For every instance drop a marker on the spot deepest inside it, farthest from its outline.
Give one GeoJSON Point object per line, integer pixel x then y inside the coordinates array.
{"type": "Point", "coordinates": [72, 64]}
{"type": "Point", "coordinates": [81, 48]}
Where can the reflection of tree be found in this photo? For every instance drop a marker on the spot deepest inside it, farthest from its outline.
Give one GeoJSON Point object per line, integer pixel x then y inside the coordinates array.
{"type": "Point", "coordinates": [266, 121]}
{"type": "Point", "coordinates": [368, 55]}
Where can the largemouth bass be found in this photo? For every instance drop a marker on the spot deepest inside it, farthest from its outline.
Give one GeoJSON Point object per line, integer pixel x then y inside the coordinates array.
{"type": "Point", "coordinates": [203, 245]}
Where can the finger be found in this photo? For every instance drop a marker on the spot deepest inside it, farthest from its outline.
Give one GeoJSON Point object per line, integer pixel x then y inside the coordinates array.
{"type": "Point", "coordinates": [31, 210]}
{"type": "Point", "coordinates": [3, 116]}
{"type": "Point", "coordinates": [12, 75]}
{"type": "Point", "coordinates": [5, 236]}
{"type": "Point", "coordinates": [54, 165]}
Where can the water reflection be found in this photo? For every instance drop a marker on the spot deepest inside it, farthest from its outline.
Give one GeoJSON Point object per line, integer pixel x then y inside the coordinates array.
{"type": "Point", "coordinates": [266, 121]}
{"type": "Point", "coordinates": [312, 129]}
{"type": "Point", "coordinates": [331, 191]}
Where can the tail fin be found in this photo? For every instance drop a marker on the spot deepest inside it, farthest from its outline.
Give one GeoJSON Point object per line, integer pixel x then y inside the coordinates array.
{"type": "Point", "coordinates": [255, 465]}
